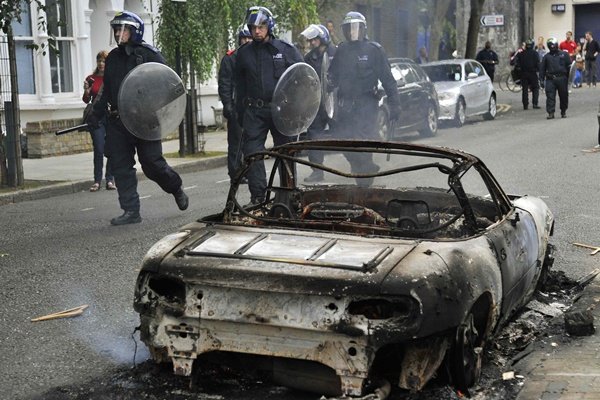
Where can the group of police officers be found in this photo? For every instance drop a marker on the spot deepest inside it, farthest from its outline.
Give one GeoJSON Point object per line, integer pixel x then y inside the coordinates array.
{"type": "Point", "coordinates": [248, 77]}
{"type": "Point", "coordinates": [552, 72]}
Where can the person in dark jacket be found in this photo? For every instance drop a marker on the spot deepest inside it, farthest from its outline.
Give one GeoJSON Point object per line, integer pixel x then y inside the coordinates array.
{"type": "Point", "coordinates": [591, 49]}
{"type": "Point", "coordinates": [488, 58]}
{"type": "Point", "coordinates": [528, 63]}
{"type": "Point", "coordinates": [357, 67]}
{"type": "Point", "coordinates": [121, 145]}
{"type": "Point", "coordinates": [258, 67]}
{"type": "Point", "coordinates": [554, 71]}
{"type": "Point", "coordinates": [321, 46]}
{"type": "Point", "coordinates": [227, 95]}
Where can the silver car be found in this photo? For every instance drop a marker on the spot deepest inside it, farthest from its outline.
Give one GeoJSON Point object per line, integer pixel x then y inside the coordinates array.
{"type": "Point", "coordinates": [464, 89]}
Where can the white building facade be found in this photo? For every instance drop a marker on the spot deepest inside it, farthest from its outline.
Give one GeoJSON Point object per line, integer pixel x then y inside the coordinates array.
{"type": "Point", "coordinates": [51, 84]}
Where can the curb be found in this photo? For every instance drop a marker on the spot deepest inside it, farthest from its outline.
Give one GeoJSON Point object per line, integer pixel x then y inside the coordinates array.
{"type": "Point", "coordinates": [62, 188]}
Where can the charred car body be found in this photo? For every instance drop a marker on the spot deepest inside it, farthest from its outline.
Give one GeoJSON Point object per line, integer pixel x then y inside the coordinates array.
{"type": "Point", "coordinates": [383, 276]}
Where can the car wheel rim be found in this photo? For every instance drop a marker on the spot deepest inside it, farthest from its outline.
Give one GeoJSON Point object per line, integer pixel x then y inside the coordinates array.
{"type": "Point", "coordinates": [432, 118]}
{"type": "Point", "coordinates": [461, 113]}
{"type": "Point", "coordinates": [493, 109]}
{"type": "Point", "coordinates": [467, 366]}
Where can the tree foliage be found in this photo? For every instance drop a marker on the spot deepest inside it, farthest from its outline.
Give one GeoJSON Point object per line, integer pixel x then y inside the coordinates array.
{"type": "Point", "coordinates": [205, 29]}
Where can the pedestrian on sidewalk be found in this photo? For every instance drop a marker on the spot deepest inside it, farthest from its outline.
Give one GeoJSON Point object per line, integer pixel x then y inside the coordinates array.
{"type": "Point", "coordinates": [92, 88]}
{"type": "Point", "coordinates": [258, 67]}
{"type": "Point", "coordinates": [121, 145]}
{"type": "Point", "coordinates": [554, 71]}
{"type": "Point", "coordinates": [590, 51]}
{"type": "Point", "coordinates": [488, 58]}
{"type": "Point", "coordinates": [528, 63]}
{"type": "Point", "coordinates": [226, 80]}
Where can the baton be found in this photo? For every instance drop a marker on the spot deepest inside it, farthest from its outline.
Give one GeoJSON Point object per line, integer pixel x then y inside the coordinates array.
{"type": "Point", "coordinates": [390, 135]}
{"type": "Point", "coordinates": [75, 128]}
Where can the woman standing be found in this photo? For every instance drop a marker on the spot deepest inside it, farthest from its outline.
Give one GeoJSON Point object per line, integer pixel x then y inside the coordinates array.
{"type": "Point", "coordinates": [92, 87]}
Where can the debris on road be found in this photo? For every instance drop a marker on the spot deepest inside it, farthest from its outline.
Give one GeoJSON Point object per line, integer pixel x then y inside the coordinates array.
{"type": "Point", "coordinates": [508, 375]}
{"type": "Point", "coordinates": [587, 246]}
{"type": "Point", "coordinates": [72, 312]}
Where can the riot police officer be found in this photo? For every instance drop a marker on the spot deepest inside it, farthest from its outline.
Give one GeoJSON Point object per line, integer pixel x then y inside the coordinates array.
{"type": "Point", "coordinates": [357, 67]}
{"type": "Point", "coordinates": [121, 145]}
{"type": "Point", "coordinates": [528, 63]}
{"type": "Point", "coordinates": [321, 46]}
{"type": "Point", "coordinates": [258, 67]}
{"type": "Point", "coordinates": [554, 71]}
{"type": "Point", "coordinates": [227, 96]}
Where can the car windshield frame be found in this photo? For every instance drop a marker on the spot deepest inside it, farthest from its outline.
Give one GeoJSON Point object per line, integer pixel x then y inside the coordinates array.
{"type": "Point", "coordinates": [340, 215]}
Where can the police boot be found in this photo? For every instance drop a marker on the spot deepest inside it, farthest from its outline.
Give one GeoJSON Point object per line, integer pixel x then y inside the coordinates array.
{"type": "Point", "coordinates": [181, 199]}
{"type": "Point", "coordinates": [550, 116]}
{"type": "Point", "coordinates": [128, 217]}
{"type": "Point", "coordinates": [563, 114]}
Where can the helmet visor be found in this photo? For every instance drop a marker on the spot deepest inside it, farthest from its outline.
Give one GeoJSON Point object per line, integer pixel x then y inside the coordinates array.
{"type": "Point", "coordinates": [120, 30]}
{"type": "Point", "coordinates": [311, 32]}
{"type": "Point", "coordinates": [258, 17]}
{"type": "Point", "coordinates": [352, 31]}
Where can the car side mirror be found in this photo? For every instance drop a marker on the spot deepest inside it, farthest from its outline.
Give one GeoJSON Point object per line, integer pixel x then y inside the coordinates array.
{"type": "Point", "coordinates": [472, 75]}
{"type": "Point", "coordinates": [400, 82]}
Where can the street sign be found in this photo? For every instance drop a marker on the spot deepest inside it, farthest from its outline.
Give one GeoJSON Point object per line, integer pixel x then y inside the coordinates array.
{"type": "Point", "coordinates": [492, 20]}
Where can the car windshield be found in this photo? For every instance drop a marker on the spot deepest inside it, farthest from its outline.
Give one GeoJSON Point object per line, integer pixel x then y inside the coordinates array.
{"type": "Point", "coordinates": [395, 189]}
{"type": "Point", "coordinates": [443, 72]}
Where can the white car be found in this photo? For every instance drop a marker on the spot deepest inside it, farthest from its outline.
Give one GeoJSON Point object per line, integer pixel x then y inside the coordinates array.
{"type": "Point", "coordinates": [464, 89]}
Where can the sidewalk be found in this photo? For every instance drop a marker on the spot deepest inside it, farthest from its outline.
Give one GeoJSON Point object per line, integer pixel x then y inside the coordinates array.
{"type": "Point", "coordinates": [74, 173]}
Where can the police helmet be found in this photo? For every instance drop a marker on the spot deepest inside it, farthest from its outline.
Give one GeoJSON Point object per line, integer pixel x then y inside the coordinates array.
{"type": "Point", "coordinates": [260, 16]}
{"type": "Point", "coordinates": [552, 44]}
{"type": "Point", "coordinates": [243, 33]}
{"type": "Point", "coordinates": [354, 26]}
{"type": "Point", "coordinates": [316, 31]}
{"type": "Point", "coordinates": [132, 21]}
{"type": "Point", "coordinates": [529, 43]}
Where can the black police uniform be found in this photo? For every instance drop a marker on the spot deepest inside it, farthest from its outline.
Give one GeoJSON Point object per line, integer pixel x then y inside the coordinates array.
{"type": "Point", "coordinates": [121, 144]}
{"type": "Point", "coordinates": [316, 130]}
{"type": "Point", "coordinates": [554, 70]}
{"type": "Point", "coordinates": [227, 96]}
{"type": "Point", "coordinates": [355, 71]}
{"type": "Point", "coordinates": [258, 67]}
{"type": "Point", "coordinates": [528, 61]}
{"type": "Point", "coordinates": [488, 58]}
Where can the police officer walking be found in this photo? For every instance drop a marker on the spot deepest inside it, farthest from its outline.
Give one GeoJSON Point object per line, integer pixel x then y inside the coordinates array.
{"type": "Point", "coordinates": [357, 67]}
{"type": "Point", "coordinates": [258, 67]}
{"type": "Point", "coordinates": [528, 62]}
{"type": "Point", "coordinates": [554, 71]}
{"type": "Point", "coordinates": [227, 96]}
{"type": "Point", "coordinates": [320, 43]}
{"type": "Point", "coordinates": [121, 145]}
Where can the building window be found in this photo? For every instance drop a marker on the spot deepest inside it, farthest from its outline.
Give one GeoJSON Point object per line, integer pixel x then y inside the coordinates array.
{"type": "Point", "coordinates": [23, 38]}
{"type": "Point", "coordinates": [58, 14]}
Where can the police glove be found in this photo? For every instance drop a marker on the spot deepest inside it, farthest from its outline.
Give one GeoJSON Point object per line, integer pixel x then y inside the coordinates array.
{"type": "Point", "coordinates": [92, 121]}
{"type": "Point", "coordinates": [228, 111]}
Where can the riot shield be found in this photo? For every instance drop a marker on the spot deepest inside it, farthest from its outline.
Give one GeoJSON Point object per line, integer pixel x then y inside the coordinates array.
{"type": "Point", "coordinates": [296, 99]}
{"type": "Point", "coordinates": [327, 98]}
{"type": "Point", "coordinates": [152, 101]}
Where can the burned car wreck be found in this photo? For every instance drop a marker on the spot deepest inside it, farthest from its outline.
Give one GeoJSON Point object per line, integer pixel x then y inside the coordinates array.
{"type": "Point", "coordinates": [385, 276]}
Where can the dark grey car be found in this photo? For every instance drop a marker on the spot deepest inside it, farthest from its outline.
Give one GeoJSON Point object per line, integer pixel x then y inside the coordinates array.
{"type": "Point", "coordinates": [418, 102]}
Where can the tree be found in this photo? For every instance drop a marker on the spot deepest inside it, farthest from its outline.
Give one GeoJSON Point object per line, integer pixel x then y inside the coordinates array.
{"type": "Point", "coordinates": [473, 29]}
{"type": "Point", "coordinates": [206, 29]}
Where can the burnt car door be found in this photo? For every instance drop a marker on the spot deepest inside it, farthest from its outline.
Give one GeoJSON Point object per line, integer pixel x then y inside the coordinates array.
{"type": "Point", "coordinates": [513, 237]}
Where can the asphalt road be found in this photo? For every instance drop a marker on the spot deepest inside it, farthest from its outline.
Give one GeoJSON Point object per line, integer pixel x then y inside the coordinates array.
{"type": "Point", "coordinates": [61, 252]}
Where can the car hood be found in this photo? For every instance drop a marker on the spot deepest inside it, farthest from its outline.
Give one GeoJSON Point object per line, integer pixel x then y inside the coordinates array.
{"type": "Point", "coordinates": [281, 260]}
{"type": "Point", "coordinates": [446, 86]}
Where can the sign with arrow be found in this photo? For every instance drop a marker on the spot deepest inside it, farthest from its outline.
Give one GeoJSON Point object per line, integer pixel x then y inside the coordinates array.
{"type": "Point", "coordinates": [492, 20]}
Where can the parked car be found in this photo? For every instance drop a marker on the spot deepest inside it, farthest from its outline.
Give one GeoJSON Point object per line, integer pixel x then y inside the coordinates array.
{"type": "Point", "coordinates": [351, 283]}
{"type": "Point", "coordinates": [464, 89]}
{"type": "Point", "coordinates": [418, 102]}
